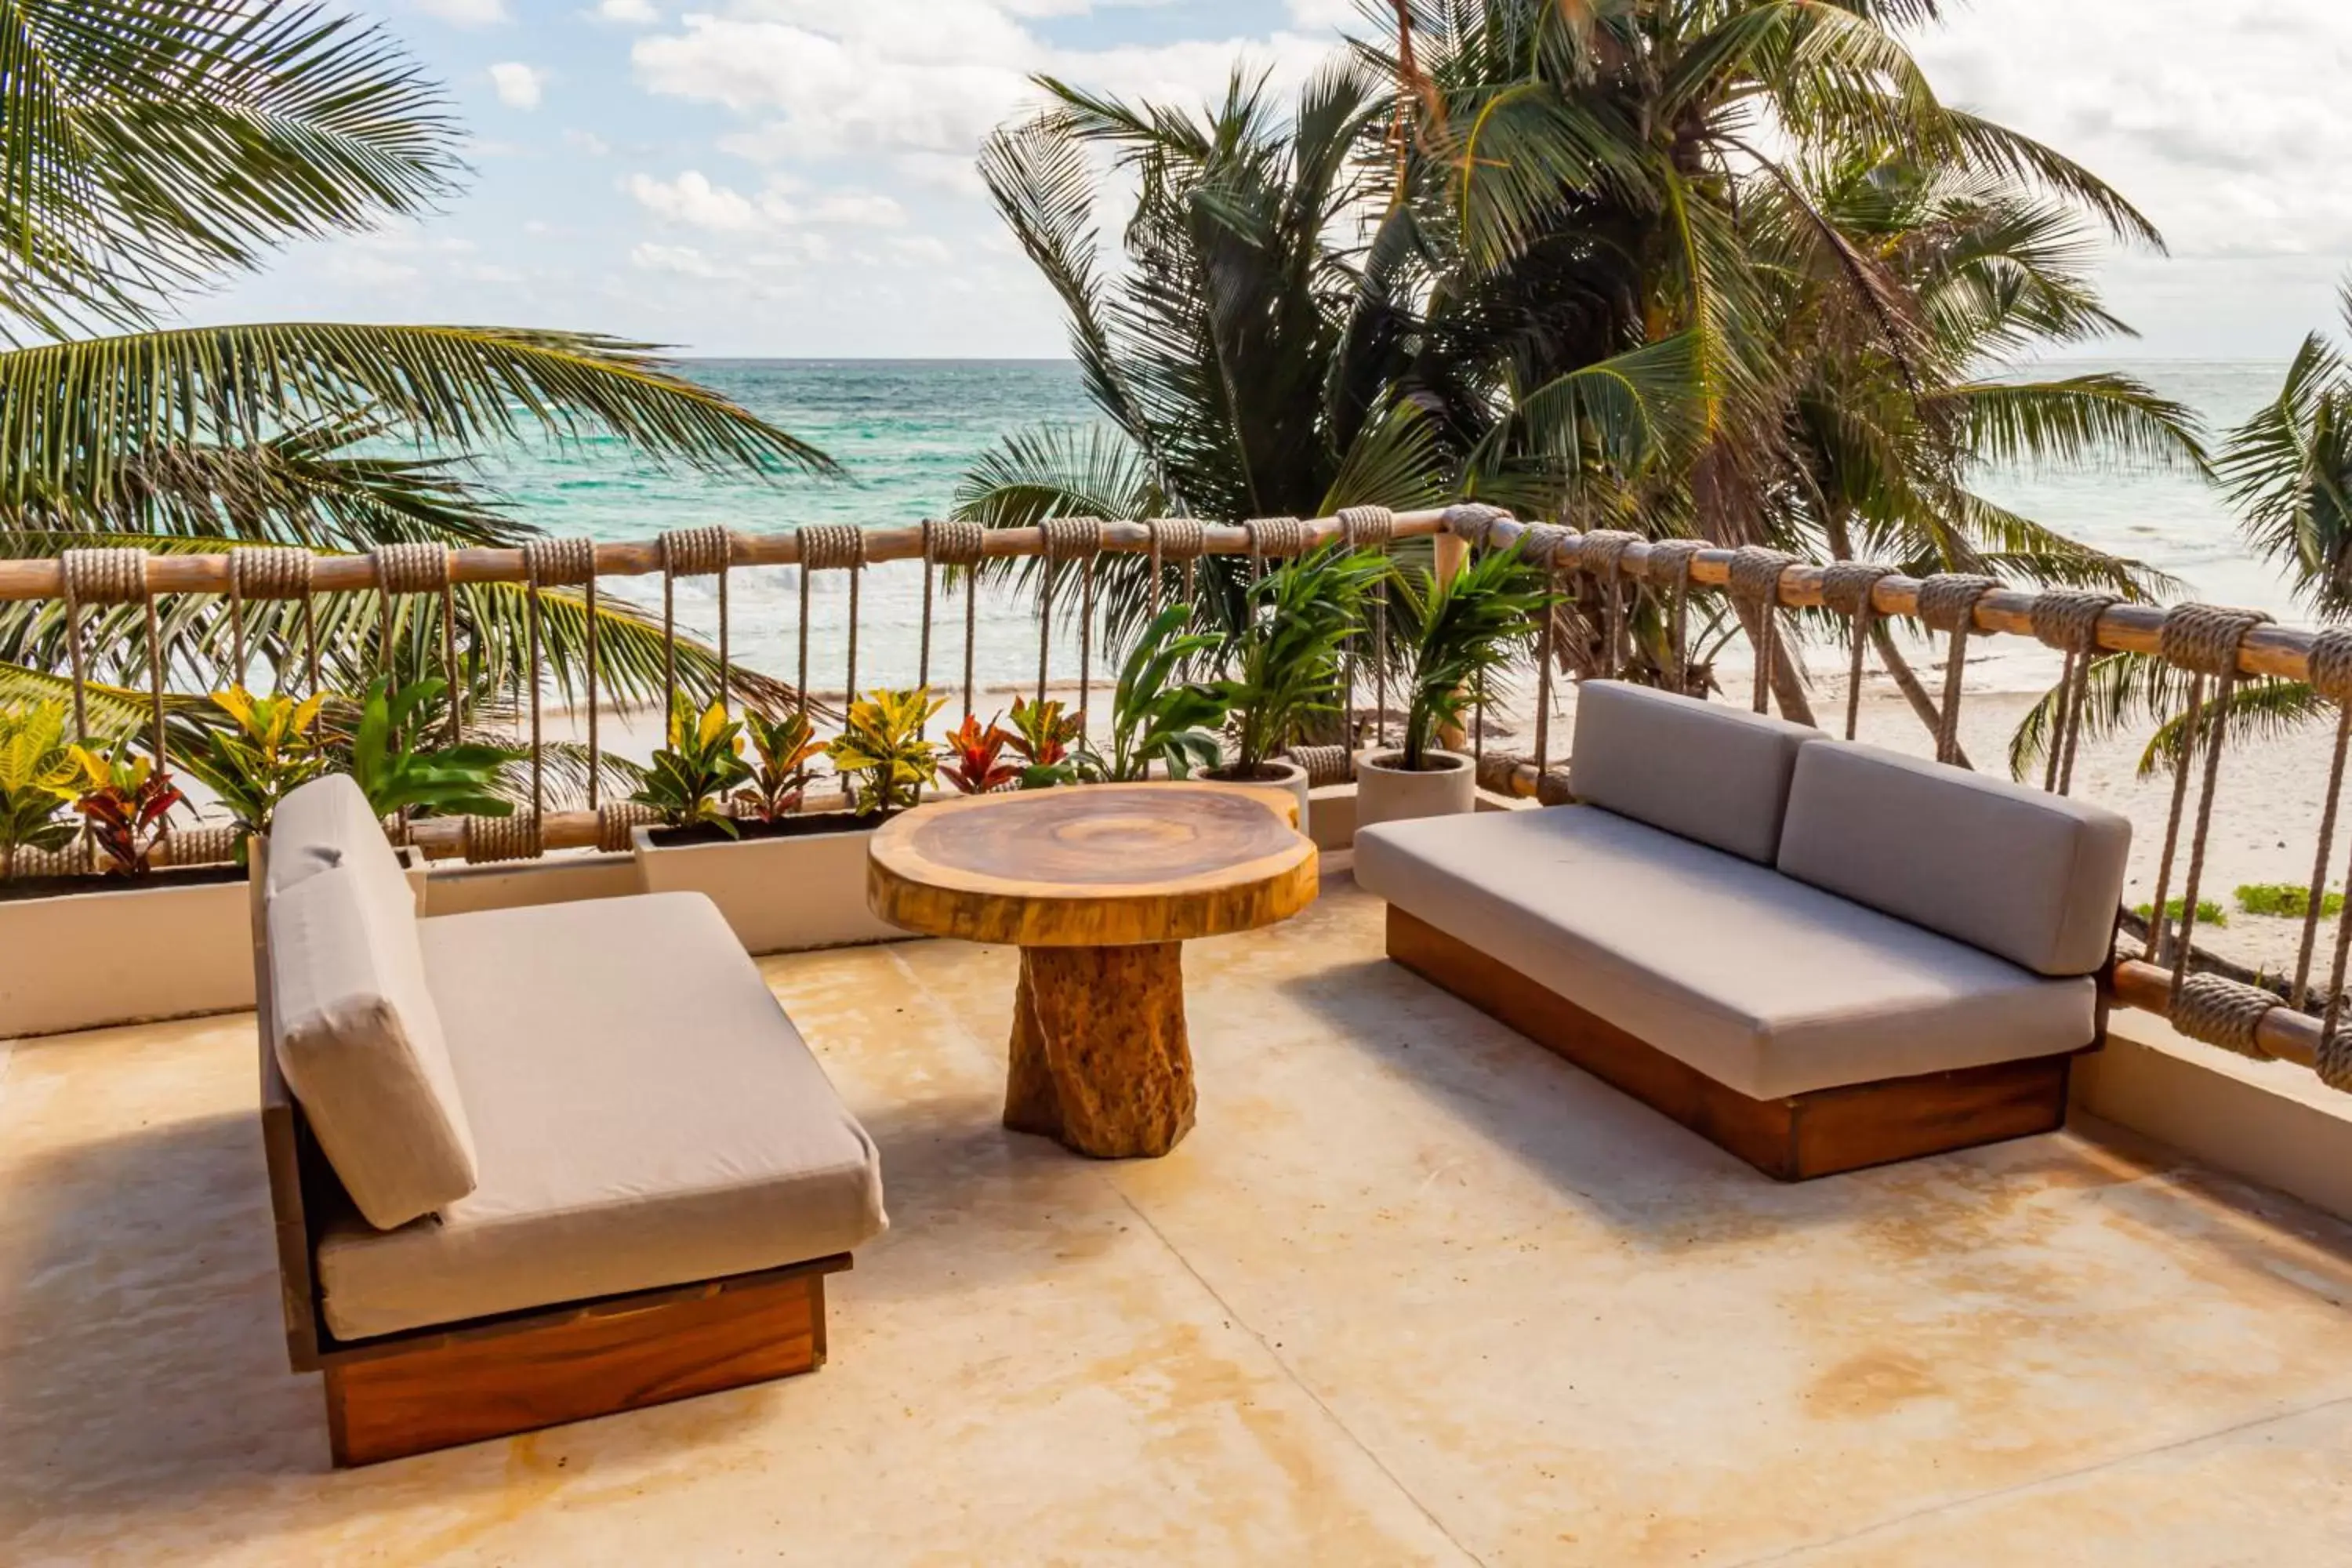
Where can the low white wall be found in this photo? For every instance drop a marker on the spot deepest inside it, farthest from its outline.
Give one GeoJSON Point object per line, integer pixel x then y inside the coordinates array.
{"type": "Point", "coordinates": [2271, 1123]}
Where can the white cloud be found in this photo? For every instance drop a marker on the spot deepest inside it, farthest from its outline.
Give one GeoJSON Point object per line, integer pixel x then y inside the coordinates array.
{"type": "Point", "coordinates": [1310, 14]}
{"type": "Point", "coordinates": [863, 209]}
{"type": "Point", "coordinates": [683, 260]}
{"type": "Point", "coordinates": [519, 85]}
{"type": "Point", "coordinates": [910, 77]}
{"type": "Point", "coordinates": [2223, 144]}
{"type": "Point", "coordinates": [587, 142]}
{"type": "Point", "coordinates": [627, 13]}
{"type": "Point", "coordinates": [693, 201]}
{"type": "Point", "coordinates": [466, 13]}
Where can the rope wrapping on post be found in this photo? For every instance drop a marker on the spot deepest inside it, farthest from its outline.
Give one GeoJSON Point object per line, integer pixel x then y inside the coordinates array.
{"type": "Point", "coordinates": [269, 572]}
{"type": "Point", "coordinates": [1847, 587]}
{"type": "Point", "coordinates": [2203, 640]}
{"type": "Point", "coordinates": [1756, 574]}
{"type": "Point", "coordinates": [1669, 561]}
{"type": "Point", "coordinates": [1602, 553]}
{"type": "Point", "coordinates": [1551, 546]}
{"type": "Point", "coordinates": [215, 844]}
{"type": "Point", "coordinates": [1062, 540]}
{"type": "Point", "coordinates": [616, 819]}
{"type": "Point", "coordinates": [831, 547]}
{"type": "Point", "coordinates": [705, 552]}
{"type": "Point", "coordinates": [1325, 765]}
{"type": "Point", "coordinates": [1180, 538]}
{"type": "Point", "coordinates": [1473, 522]}
{"type": "Point", "coordinates": [491, 840]}
{"type": "Point", "coordinates": [421, 568]}
{"type": "Point", "coordinates": [2332, 1062]}
{"type": "Point", "coordinates": [956, 542]}
{"type": "Point", "coordinates": [2331, 676]}
{"type": "Point", "coordinates": [2069, 622]}
{"type": "Point", "coordinates": [551, 563]}
{"type": "Point", "coordinates": [1361, 528]}
{"type": "Point", "coordinates": [1947, 602]}
{"type": "Point", "coordinates": [556, 563]}
{"type": "Point", "coordinates": [1279, 536]}
{"type": "Point", "coordinates": [109, 577]}
{"type": "Point", "coordinates": [2223, 1011]}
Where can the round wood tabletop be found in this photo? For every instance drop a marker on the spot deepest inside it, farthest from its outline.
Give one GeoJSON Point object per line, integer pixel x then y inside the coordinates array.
{"type": "Point", "coordinates": [1095, 866]}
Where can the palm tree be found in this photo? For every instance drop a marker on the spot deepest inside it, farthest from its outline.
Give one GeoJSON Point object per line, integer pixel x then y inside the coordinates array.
{"type": "Point", "coordinates": [2288, 470]}
{"type": "Point", "coordinates": [1714, 266]}
{"type": "Point", "coordinates": [1729, 267]}
{"type": "Point", "coordinates": [1217, 358]}
{"type": "Point", "coordinates": [149, 146]}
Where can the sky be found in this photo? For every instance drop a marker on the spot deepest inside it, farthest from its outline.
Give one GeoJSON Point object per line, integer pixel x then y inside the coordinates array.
{"type": "Point", "coordinates": [794, 178]}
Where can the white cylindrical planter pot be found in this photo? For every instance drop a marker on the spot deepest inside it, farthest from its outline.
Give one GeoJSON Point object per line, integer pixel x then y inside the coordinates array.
{"type": "Point", "coordinates": [1276, 773]}
{"type": "Point", "coordinates": [1386, 792]}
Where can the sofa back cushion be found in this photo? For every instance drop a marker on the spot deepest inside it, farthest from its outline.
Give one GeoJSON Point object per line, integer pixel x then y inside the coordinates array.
{"type": "Point", "coordinates": [359, 1042]}
{"type": "Point", "coordinates": [323, 824]}
{"type": "Point", "coordinates": [1706, 772]}
{"type": "Point", "coordinates": [2033, 877]}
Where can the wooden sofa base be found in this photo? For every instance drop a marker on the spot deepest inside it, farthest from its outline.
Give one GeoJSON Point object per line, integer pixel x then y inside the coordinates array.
{"type": "Point", "coordinates": [441, 1389]}
{"type": "Point", "coordinates": [1804, 1136]}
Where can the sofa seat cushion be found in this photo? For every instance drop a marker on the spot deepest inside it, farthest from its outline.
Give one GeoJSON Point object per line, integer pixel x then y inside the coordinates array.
{"type": "Point", "coordinates": [1763, 983]}
{"type": "Point", "coordinates": [643, 1115]}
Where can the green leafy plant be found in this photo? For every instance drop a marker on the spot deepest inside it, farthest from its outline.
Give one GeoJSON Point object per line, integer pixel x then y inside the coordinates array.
{"type": "Point", "coordinates": [1043, 736]}
{"type": "Point", "coordinates": [2288, 899]}
{"type": "Point", "coordinates": [1156, 715]}
{"type": "Point", "coordinates": [127, 803]}
{"type": "Point", "coordinates": [2209, 913]}
{"type": "Point", "coordinates": [976, 764]}
{"type": "Point", "coordinates": [690, 777]}
{"type": "Point", "coordinates": [270, 753]}
{"type": "Point", "coordinates": [882, 754]}
{"type": "Point", "coordinates": [37, 774]}
{"type": "Point", "coordinates": [779, 783]}
{"type": "Point", "coordinates": [399, 774]}
{"type": "Point", "coordinates": [1284, 665]}
{"type": "Point", "coordinates": [1456, 631]}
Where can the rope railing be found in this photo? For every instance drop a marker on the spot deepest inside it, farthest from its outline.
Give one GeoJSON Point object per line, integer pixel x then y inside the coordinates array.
{"type": "Point", "coordinates": [2215, 648]}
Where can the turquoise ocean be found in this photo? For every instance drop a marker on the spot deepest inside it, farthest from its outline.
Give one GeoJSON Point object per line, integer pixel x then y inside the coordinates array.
{"type": "Point", "coordinates": [906, 430]}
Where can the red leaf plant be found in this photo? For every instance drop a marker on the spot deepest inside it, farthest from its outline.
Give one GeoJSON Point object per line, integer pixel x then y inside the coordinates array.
{"type": "Point", "coordinates": [127, 803]}
{"type": "Point", "coordinates": [976, 764]}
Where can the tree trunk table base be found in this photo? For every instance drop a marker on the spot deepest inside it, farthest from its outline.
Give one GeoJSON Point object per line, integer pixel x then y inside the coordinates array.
{"type": "Point", "coordinates": [1100, 1062]}
{"type": "Point", "coordinates": [1099, 888]}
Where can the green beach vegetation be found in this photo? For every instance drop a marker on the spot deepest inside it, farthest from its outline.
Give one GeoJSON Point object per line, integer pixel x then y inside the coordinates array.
{"type": "Point", "coordinates": [154, 146]}
{"type": "Point", "coordinates": [1726, 269]}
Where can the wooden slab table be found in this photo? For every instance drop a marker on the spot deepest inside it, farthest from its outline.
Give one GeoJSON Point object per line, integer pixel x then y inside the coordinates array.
{"type": "Point", "coordinates": [1099, 887]}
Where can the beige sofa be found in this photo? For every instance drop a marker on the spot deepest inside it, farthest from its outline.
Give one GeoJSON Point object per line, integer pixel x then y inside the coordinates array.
{"type": "Point", "coordinates": [538, 1164]}
{"type": "Point", "coordinates": [1821, 955]}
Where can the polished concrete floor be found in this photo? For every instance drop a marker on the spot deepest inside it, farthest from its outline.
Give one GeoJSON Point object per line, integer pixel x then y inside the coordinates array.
{"type": "Point", "coordinates": [1413, 1291]}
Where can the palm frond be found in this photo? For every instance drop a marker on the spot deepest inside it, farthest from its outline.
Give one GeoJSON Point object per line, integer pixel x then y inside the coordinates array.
{"type": "Point", "coordinates": [74, 415]}
{"type": "Point", "coordinates": [149, 146]}
{"type": "Point", "coordinates": [2079, 419]}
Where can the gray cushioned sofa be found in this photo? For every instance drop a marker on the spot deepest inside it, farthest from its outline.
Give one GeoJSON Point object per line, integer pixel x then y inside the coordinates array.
{"type": "Point", "coordinates": [580, 1144]}
{"type": "Point", "coordinates": [1820, 955]}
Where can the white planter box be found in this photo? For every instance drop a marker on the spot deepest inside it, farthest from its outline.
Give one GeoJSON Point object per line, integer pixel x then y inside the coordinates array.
{"type": "Point", "coordinates": [126, 954]}
{"type": "Point", "coordinates": [1385, 792]}
{"type": "Point", "coordinates": [782, 895]}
